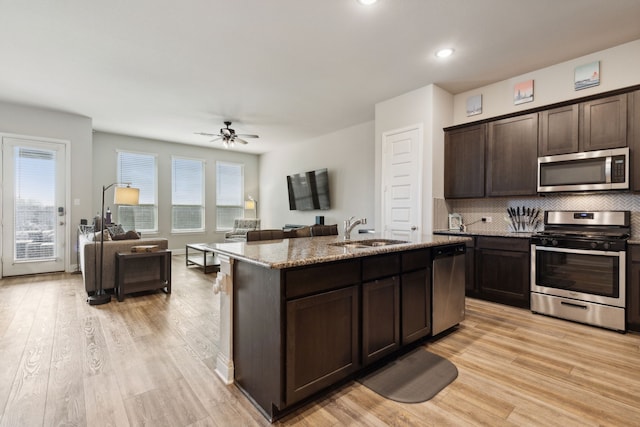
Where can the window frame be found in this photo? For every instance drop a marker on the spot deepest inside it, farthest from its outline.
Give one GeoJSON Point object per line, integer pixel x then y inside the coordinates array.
{"type": "Point", "coordinates": [219, 206]}
{"type": "Point", "coordinates": [202, 205]}
{"type": "Point", "coordinates": [121, 180]}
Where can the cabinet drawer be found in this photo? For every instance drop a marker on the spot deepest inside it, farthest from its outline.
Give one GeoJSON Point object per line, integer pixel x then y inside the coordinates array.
{"type": "Point", "coordinates": [634, 253]}
{"type": "Point", "coordinates": [380, 266]}
{"type": "Point", "coordinates": [503, 243]}
{"type": "Point", "coordinates": [416, 260]}
{"type": "Point", "coordinates": [320, 278]}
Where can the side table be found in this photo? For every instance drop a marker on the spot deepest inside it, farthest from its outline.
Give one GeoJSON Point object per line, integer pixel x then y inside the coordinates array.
{"type": "Point", "coordinates": [128, 263]}
{"type": "Point", "coordinates": [205, 258]}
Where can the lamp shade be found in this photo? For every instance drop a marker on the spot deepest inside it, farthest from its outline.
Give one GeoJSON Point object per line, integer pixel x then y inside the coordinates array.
{"type": "Point", "coordinates": [250, 204]}
{"type": "Point", "coordinates": [126, 196]}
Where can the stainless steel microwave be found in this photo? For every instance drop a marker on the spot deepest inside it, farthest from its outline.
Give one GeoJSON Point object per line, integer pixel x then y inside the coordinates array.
{"type": "Point", "coordinates": [585, 171]}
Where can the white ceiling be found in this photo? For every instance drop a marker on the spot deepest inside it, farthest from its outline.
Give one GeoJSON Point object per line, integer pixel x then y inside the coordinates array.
{"type": "Point", "coordinates": [288, 70]}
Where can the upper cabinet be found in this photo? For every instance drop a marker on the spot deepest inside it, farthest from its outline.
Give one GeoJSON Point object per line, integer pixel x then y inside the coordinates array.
{"type": "Point", "coordinates": [603, 123]}
{"type": "Point", "coordinates": [558, 131]}
{"type": "Point", "coordinates": [634, 138]}
{"type": "Point", "coordinates": [512, 147]}
{"type": "Point", "coordinates": [600, 124]}
{"type": "Point", "coordinates": [464, 162]}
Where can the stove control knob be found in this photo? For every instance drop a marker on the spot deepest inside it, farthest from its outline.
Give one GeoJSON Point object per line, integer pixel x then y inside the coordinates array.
{"type": "Point", "coordinates": [544, 242]}
{"type": "Point", "coordinates": [606, 246]}
{"type": "Point", "coordinates": [554, 242]}
{"type": "Point", "coordinates": [593, 245]}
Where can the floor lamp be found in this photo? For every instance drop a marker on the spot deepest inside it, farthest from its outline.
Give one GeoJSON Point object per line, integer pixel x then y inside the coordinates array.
{"type": "Point", "coordinates": [122, 196]}
{"type": "Point", "coordinates": [251, 204]}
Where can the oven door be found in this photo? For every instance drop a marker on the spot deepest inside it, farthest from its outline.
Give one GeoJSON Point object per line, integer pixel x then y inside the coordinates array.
{"type": "Point", "coordinates": [586, 275]}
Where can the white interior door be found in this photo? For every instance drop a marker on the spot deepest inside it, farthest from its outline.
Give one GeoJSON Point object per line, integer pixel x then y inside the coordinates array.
{"type": "Point", "coordinates": [401, 182]}
{"type": "Point", "coordinates": [33, 206]}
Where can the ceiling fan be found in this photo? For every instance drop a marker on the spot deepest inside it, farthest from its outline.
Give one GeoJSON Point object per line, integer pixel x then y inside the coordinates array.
{"type": "Point", "coordinates": [228, 136]}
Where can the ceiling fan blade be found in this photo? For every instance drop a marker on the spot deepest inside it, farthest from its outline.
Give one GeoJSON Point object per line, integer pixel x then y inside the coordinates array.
{"type": "Point", "coordinates": [241, 141]}
{"type": "Point", "coordinates": [216, 139]}
{"type": "Point", "coordinates": [244, 135]}
{"type": "Point", "coordinates": [206, 134]}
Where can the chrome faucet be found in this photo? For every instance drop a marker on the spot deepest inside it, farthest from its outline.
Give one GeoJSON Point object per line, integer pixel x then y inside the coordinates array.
{"type": "Point", "coordinates": [349, 225]}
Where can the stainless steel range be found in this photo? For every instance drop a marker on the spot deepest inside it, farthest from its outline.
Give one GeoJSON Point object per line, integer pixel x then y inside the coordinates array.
{"type": "Point", "coordinates": [578, 267]}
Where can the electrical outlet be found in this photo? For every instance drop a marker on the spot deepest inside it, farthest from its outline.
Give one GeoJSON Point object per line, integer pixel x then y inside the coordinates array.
{"type": "Point", "coordinates": [487, 219]}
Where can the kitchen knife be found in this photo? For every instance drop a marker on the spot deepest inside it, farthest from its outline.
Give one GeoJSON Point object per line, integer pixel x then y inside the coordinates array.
{"type": "Point", "coordinates": [511, 217]}
{"type": "Point", "coordinates": [518, 220]}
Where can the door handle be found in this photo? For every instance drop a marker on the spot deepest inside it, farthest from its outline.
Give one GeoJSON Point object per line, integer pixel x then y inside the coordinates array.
{"type": "Point", "coordinates": [61, 223]}
{"type": "Point", "coordinates": [414, 228]}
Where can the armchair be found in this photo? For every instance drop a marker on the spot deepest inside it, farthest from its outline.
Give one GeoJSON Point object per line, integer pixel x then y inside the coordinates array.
{"type": "Point", "coordinates": [240, 229]}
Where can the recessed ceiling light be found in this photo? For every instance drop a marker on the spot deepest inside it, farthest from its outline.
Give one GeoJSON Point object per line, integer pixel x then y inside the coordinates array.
{"type": "Point", "coordinates": [367, 2]}
{"type": "Point", "coordinates": [443, 53]}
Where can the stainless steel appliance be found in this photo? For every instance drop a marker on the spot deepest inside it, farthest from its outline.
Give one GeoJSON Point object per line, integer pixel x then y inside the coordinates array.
{"type": "Point", "coordinates": [585, 171]}
{"type": "Point", "coordinates": [578, 267]}
{"type": "Point", "coordinates": [448, 287]}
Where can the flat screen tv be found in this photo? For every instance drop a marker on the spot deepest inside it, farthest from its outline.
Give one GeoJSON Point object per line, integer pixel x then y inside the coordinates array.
{"type": "Point", "coordinates": [309, 190]}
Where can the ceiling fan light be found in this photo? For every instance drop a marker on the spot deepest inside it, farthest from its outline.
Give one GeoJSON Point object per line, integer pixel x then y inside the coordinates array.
{"type": "Point", "coordinates": [367, 2]}
{"type": "Point", "coordinates": [444, 53]}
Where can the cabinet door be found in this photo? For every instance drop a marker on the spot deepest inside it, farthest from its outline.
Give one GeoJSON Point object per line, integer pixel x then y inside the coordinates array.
{"type": "Point", "coordinates": [512, 149]}
{"type": "Point", "coordinates": [503, 276]}
{"type": "Point", "coordinates": [558, 131]}
{"type": "Point", "coordinates": [634, 137]}
{"type": "Point", "coordinates": [416, 305]}
{"type": "Point", "coordinates": [633, 290]}
{"type": "Point", "coordinates": [603, 123]}
{"type": "Point", "coordinates": [322, 341]}
{"type": "Point", "coordinates": [380, 318]}
{"type": "Point", "coordinates": [464, 151]}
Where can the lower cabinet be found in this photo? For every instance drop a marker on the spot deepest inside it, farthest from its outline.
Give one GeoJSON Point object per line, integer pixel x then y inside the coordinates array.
{"type": "Point", "coordinates": [416, 305]}
{"type": "Point", "coordinates": [322, 341]}
{"type": "Point", "coordinates": [380, 318]}
{"type": "Point", "coordinates": [502, 270]}
{"type": "Point", "coordinates": [633, 289]}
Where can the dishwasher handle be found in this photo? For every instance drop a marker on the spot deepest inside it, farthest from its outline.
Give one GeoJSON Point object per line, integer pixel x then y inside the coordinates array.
{"type": "Point", "coordinates": [449, 251]}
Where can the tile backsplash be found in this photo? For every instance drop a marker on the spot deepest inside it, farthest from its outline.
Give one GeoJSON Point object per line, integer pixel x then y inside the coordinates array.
{"type": "Point", "coordinates": [473, 210]}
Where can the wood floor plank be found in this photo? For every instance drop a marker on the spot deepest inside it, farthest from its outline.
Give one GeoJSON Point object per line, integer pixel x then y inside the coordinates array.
{"type": "Point", "coordinates": [150, 360]}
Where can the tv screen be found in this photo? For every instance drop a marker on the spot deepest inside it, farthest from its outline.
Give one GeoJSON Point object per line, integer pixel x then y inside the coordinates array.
{"type": "Point", "coordinates": [309, 190]}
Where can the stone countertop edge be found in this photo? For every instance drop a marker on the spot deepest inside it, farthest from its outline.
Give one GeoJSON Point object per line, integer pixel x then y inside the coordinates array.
{"type": "Point", "coordinates": [301, 251]}
{"type": "Point", "coordinates": [518, 235]}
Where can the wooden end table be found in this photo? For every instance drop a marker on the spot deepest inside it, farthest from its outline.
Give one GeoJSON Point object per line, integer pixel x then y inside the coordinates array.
{"type": "Point", "coordinates": [205, 258]}
{"type": "Point", "coordinates": [126, 262]}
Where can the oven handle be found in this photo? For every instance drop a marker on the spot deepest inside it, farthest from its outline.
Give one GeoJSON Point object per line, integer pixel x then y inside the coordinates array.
{"type": "Point", "coordinates": [578, 251]}
{"type": "Point", "coordinates": [570, 304]}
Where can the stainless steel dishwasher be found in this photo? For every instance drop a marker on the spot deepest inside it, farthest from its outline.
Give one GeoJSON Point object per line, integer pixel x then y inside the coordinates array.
{"type": "Point", "coordinates": [448, 286]}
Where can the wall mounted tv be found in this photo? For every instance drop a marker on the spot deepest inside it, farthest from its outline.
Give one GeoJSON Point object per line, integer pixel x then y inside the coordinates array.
{"type": "Point", "coordinates": [309, 190]}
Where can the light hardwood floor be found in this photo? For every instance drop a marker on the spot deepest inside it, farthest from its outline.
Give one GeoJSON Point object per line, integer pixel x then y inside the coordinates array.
{"type": "Point", "coordinates": [149, 361]}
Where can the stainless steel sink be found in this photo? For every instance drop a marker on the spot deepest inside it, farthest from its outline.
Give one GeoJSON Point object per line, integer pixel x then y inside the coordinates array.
{"type": "Point", "coordinates": [368, 243]}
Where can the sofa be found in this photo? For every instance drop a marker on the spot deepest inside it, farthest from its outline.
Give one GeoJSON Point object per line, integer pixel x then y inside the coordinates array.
{"type": "Point", "coordinates": [240, 229]}
{"type": "Point", "coordinates": [89, 246]}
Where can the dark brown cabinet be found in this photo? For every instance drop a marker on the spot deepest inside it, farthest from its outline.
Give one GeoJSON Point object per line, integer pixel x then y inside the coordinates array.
{"type": "Point", "coordinates": [503, 269]}
{"type": "Point", "coordinates": [464, 151]}
{"type": "Point", "coordinates": [634, 138]}
{"type": "Point", "coordinates": [322, 341]}
{"type": "Point", "coordinates": [416, 295]}
{"type": "Point", "coordinates": [633, 289]}
{"type": "Point", "coordinates": [512, 148]}
{"type": "Point", "coordinates": [558, 131]}
{"type": "Point", "coordinates": [603, 123]}
{"type": "Point", "coordinates": [380, 318]}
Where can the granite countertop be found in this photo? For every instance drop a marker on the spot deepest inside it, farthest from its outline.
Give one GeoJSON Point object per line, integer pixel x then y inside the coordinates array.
{"type": "Point", "coordinates": [519, 235]}
{"type": "Point", "coordinates": [294, 252]}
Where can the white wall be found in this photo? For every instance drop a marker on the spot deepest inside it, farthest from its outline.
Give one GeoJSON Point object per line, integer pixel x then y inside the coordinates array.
{"type": "Point", "coordinates": [105, 167]}
{"type": "Point", "coordinates": [37, 122]}
{"type": "Point", "coordinates": [429, 106]}
{"type": "Point", "coordinates": [348, 154]}
{"type": "Point", "coordinates": [618, 69]}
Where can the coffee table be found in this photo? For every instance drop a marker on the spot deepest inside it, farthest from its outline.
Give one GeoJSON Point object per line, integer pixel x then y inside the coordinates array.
{"type": "Point", "coordinates": [204, 257]}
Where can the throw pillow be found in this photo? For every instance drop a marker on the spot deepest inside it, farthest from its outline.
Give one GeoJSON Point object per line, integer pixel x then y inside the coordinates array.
{"type": "Point", "coordinates": [96, 236]}
{"type": "Point", "coordinates": [115, 229]}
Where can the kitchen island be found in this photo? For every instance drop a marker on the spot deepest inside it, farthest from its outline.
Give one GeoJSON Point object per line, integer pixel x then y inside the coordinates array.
{"type": "Point", "coordinates": [303, 314]}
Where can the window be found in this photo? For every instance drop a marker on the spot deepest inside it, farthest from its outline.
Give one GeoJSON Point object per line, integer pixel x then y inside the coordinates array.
{"type": "Point", "coordinates": [141, 170]}
{"type": "Point", "coordinates": [229, 194]}
{"type": "Point", "coordinates": [187, 194]}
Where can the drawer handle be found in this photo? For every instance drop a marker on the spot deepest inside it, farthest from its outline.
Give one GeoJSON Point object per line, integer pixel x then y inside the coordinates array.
{"type": "Point", "coordinates": [570, 304]}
